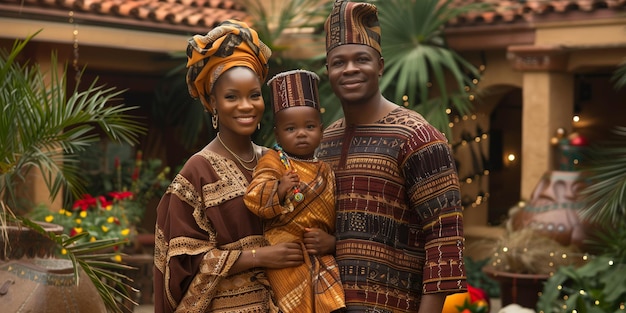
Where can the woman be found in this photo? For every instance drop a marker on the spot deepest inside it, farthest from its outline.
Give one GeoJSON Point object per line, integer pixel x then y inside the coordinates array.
{"type": "Point", "coordinates": [209, 248]}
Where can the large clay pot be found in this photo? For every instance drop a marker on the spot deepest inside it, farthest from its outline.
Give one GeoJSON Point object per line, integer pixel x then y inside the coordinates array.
{"type": "Point", "coordinates": [522, 289]}
{"type": "Point", "coordinates": [553, 209]}
{"type": "Point", "coordinates": [46, 285]}
{"type": "Point", "coordinates": [33, 280]}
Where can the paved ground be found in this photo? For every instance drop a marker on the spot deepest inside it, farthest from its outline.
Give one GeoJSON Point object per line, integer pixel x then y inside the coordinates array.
{"type": "Point", "coordinates": [145, 308]}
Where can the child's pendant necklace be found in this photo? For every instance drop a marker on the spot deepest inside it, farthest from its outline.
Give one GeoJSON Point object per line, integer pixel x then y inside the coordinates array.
{"type": "Point", "coordinates": [297, 195]}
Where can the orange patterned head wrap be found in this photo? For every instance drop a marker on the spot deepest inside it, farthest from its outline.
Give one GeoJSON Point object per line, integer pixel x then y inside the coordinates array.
{"type": "Point", "coordinates": [232, 43]}
{"type": "Point", "coordinates": [352, 23]}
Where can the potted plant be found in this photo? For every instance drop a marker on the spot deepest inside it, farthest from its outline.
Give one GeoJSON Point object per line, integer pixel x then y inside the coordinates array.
{"type": "Point", "coordinates": [42, 127]}
{"type": "Point", "coordinates": [597, 286]}
{"type": "Point", "coordinates": [522, 261]}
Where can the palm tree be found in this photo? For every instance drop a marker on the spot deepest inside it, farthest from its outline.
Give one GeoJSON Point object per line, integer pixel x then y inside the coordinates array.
{"type": "Point", "coordinates": [42, 128]}
{"type": "Point", "coordinates": [417, 57]}
{"type": "Point", "coordinates": [415, 52]}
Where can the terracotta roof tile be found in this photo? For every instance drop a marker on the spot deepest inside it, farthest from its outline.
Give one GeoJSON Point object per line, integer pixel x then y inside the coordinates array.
{"type": "Point", "coordinates": [505, 11]}
{"type": "Point", "coordinates": [195, 15]}
{"type": "Point", "coordinates": [169, 15]}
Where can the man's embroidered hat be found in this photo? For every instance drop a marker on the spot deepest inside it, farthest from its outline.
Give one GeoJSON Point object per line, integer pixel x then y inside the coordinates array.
{"type": "Point", "coordinates": [352, 23]}
{"type": "Point", "coordinates": [294, 88]}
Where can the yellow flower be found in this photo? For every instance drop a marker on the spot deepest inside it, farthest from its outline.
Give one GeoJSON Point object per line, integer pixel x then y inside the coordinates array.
{"type": "Point", "coordinates": [83, 214]}
{"type": "Point", "coordinates": [109, 207]}
{"type": "Point", "coordinates": [92, 239]}
{"type": "Point", "coordinates": [62, 211]}
{"type": "Point", "coordinates": [78, 230]}
{"type": "Point", "coordinates": [104, 228]}
{"type": "Point", "coordinates": [68, 213]}
{"type": "Point", "coordinates": [78, 221]}
{"type": "Point", "coordinates": [117, 258]}
{"type": "Point", "coordinates": [63, 251]}
{"type": "Point", "coordinates": [111, 219]}
{"type": "Point", "coordinates": [481, 303]}
{"type": "Point", "coordinates": [49, 218]}
{"type": "Point", "coordinates": [125, 232]}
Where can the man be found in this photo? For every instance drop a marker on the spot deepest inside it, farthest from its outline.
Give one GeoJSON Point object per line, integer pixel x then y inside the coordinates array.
{"type": "Point", "coordinates": [399, 230]}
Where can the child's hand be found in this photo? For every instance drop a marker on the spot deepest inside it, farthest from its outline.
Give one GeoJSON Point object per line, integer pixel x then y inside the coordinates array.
{"type": "Point", "coordinates": [286, 183]}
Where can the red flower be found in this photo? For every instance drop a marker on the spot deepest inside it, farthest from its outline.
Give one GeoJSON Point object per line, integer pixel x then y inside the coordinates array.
{"type": "Point", "coordinates": [135, 175]}
{"type": "Point", "coordinates": [84, 203]}
{"type": "Point", "coordinates": [120, 195]}
{"type": "Point", "coordinates": [476, 294]}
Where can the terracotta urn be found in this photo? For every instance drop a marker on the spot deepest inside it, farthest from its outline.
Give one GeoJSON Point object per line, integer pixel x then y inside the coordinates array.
{"type": "Point", "coordinates": [32, 279]}
{"type": "Point", "coordinates": [553, 209]}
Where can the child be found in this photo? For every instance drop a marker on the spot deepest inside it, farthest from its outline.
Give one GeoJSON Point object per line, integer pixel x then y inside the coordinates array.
{"type": "Point", "coordinates": [294, 191]}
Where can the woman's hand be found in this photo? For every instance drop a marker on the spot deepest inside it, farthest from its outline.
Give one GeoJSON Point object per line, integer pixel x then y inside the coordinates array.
{"type": "Point", "coordinates": [318, 242]}
{"type": "Point", "coordinates": [281, 255]}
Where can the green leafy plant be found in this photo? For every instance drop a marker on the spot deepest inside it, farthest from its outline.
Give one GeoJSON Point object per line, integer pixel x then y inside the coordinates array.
{"type": "Point", "coordinates": [473, 307]}
{"type": "Point", "coordinates": [42, 127]}
{"type": "Point", "coordinates": [619, 77]}
{"type": "Point", "coordinates": [477, 278]}
{"type": "Point", "coordinates": [598, 286]}
{"type": "Point", "coordinates": [100, 217]}
{"type": "Point", "coordinates": [417, 57]}
{"type": "Point", "coordinates": [605, 195]}
{"type": "Point", "coordinates": [137, 180]}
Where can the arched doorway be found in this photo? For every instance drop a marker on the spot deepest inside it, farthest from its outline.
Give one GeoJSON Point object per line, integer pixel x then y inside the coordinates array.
{"type": "Point", "coordinates": [505, 147]}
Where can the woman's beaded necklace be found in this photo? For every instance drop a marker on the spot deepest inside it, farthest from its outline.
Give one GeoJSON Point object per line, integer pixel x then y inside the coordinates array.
{"type": "Point", "coordinates": [240, 160]}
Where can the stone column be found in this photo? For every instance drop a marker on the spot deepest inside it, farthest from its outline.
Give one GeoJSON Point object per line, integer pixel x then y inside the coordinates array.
{"type": "Point", "coordinates": [548, 104]}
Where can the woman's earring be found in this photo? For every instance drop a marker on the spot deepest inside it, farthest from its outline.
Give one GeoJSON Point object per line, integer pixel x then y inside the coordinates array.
{"type": "Point", "coordinates": [214, 119]}
{"type": "Point", "coordinates": [258, 126]}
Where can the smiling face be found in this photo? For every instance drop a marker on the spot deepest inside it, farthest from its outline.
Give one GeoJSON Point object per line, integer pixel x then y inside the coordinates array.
{"type": "Point", "coordinates": [353, 72]}
{"type": "Point", "coordinates": [298, 130]}
{"type": "Point", "coordinates": [238, 100]}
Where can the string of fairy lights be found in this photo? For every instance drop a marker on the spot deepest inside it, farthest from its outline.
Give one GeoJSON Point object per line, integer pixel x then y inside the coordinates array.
{"type": "Point", "coordinates": [467, 140]}
{"type": "Point", "coordinates": [474, 143]}
{"type": "Point", "coordinates": [77, 73]}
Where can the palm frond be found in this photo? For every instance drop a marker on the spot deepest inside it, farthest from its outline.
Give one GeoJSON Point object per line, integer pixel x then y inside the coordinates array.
{"type": "Point", "coordinates": [417, 57]}
{"type": "Point", "coordinates": [619, 77]}
{"type": "Point", "coordinates": [605, 194]}
{"type": "Point", "coordinates": [44, 127]}
{"type": "Point", "coordinates": [272, 18]}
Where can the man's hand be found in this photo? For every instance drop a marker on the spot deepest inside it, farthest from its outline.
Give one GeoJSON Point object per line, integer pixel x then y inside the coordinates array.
{"type": "Point", "coordinates": [318, 242]}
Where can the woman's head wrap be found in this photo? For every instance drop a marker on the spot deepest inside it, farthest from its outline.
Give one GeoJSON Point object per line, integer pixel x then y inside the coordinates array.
{"type": "Point", "coordinates": [230, 44]}
{"type": "Point", "coordinates": [294, 88]}
{"type": "Point", "coordinates": [352, 23]}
